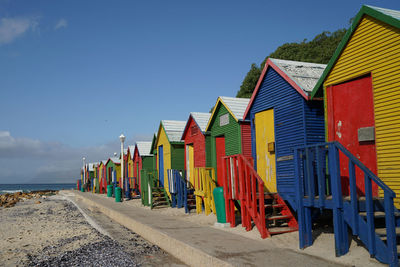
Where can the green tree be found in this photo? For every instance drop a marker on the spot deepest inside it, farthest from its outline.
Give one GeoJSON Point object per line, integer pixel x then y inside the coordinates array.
{"type": "Point", "coordinates": [249, 82]}
{"type": "Point", "coordinates": [318, 50]}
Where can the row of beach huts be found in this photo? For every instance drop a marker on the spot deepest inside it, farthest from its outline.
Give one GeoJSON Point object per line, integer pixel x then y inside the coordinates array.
{"type": "Point", "coordinates": [313, 139]}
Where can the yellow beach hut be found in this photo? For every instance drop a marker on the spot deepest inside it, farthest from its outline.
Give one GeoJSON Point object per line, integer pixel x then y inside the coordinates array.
{"type": "Point", "coordinates": [170, 149]}
{"type": "Point", "coordinates": [362, 102]}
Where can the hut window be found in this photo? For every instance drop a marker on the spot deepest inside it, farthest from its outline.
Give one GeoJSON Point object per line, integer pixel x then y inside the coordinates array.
{"type": "Point", "coordinates": [194, 130]}
{"type": "Point", "coordinates": [224, 119]}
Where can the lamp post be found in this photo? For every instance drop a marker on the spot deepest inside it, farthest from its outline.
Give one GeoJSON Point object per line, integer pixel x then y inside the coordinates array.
{"type": "Point", "coordinates": [83, 170]}
{"type": "Point", "coordinates": [122, 139]}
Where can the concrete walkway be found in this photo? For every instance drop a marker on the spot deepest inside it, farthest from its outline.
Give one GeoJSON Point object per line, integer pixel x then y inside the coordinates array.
{"type": "Point", "coordinates": [194, 244]}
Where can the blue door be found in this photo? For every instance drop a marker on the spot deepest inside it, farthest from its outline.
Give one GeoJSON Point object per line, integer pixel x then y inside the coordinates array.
{"type": "Point", "coordinates": [161, 166]}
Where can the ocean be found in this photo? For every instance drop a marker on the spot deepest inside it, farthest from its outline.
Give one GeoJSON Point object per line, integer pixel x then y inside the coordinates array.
{"type": "Point", "coordinates": [12, 188]}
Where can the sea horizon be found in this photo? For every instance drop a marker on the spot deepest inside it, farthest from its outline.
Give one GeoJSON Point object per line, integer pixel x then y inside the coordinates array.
{"type": "Point", "coordinates": [28, 187]}
{"type": "Point", "coordinates": [34, 183]}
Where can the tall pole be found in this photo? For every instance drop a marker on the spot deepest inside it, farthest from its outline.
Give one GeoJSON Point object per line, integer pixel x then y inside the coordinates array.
{"type": "Point", "coordinates": [122, 139]}
{"type": "Point", "coordinates": [84, 171]}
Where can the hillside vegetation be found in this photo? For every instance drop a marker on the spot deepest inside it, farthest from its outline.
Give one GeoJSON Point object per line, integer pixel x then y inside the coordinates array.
{"type": "Point", "coordinates": [318, 50]}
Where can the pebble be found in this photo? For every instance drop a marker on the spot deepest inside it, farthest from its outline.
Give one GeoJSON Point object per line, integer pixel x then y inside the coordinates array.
{"type": "Point", "coordinates": [102, 251]}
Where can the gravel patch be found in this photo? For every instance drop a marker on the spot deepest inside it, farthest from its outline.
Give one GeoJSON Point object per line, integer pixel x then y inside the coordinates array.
{"type": "Point", "coordinates": [54, 233]}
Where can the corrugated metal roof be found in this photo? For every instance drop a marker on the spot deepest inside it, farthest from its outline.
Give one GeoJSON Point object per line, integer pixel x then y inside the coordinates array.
{"type": "Point", "coordinates": [174, 129]}
{"type": "Point", "coordinates": [236, 105]}
{"type": "Point", "coordinates": [131, 151]}
{"type": "Point", "coordinates": [389, 12]}
{"type": "Point", "coordinates": [144, 148]}
{"type": "Point", "coordinates": [201, 119]}
{"type": "Point", "coordinates": [91, 167]}
{"type": "Point", "coordinates": [115, 160]}
{"type": "Point", "coordinates": [304, 74]}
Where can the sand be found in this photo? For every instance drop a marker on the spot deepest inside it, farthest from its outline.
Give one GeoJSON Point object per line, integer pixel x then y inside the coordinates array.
{"type": "Point", "coordinates": [323, 247]}
{"type": "Point", "coordinates": [53, 232]}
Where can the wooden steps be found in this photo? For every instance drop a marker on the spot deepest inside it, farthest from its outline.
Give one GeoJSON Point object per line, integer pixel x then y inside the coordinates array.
{"type": "Point", "coordinates": [265, 210]}
{"type": "Point", "coordinates": [375, 221]}
{"type": "Point", "coordinates": [191, 200]}
{"type": "Point", "coordinates": [378, 214]}
{"type": "Point", "coordinates": [278, 217]}
{"type": "Point", "coordinates": [282, 230]}
{"type": "Point", "coordinates": [382, 231]}
{"type": "Point", "coordinates": [159, 198]}
{"type": "Point", "coordinates": [273, 206]}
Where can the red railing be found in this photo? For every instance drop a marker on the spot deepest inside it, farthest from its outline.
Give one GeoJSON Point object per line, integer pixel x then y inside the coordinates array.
{"type": "Point", "coordinates": [242, 183]}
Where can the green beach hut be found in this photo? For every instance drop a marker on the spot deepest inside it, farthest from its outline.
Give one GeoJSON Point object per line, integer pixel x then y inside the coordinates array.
{"type": "Point", "coordinates": [227, 133]}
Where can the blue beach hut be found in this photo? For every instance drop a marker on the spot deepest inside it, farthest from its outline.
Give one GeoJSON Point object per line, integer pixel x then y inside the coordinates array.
{"type": "Point", "coordinates": [282, 117]}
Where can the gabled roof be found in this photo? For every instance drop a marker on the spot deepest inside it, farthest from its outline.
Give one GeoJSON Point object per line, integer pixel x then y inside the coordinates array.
{"type": "Point", "coordinates": [104, 162]}
{"type": "Point", "coordinates": [391, 17]}
{"type": "Point", "coordinates": [131, 151]}
{"type": "Point", "coordinates": [302, 76]}
{"type": "Point", "coordinates": [144, 148]}
{"type": "Point", "coordinates": [153, 142]}
{"type": "Point", "coordinates": [91, 167]}
{"type": "Point", "coordinates": [115, 160]}
{"type": "Point", "coordinates": [236, 107]}
{"type": "Point", "coordinates": [173, 130]}
{"type": "Point", "coordinates": [200, 118]}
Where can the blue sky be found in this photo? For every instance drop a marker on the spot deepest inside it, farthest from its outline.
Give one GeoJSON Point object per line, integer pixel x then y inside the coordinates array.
{"type": "Point", "coordinates": [76, 74]}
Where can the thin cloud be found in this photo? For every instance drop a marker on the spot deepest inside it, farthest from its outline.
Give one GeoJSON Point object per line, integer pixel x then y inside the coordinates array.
{"type": "Point", "coordinates": [12, 28]}
{"type": "Point", "coordinates": [62, 23]}
{"type": "Point", "coordinates": [28, 160]}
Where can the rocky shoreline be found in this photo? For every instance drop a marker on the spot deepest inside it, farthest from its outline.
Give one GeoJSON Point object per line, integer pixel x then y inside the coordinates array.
{"type": "Point", "coordinates": [10, 200]}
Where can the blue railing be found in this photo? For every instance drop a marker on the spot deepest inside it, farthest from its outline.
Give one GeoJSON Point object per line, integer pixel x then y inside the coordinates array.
{"type": "Point", "coordinates": [179, 189]}
{"type": "Point", "coordinates": [317, 168]}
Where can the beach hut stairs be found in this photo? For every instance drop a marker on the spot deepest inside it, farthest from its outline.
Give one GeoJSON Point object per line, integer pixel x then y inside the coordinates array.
{"type": "Point", "coordinates": [153, 195]}
{"type": "Point", "coordinates": [181, 190]}
{"type": "Point", "coordinates": [374, 220]}
{"type": "Point", "coordinates": [269, 212]}
{"type": "Point", "coordinates": [160, 198]}
{"type": "Point", "coordinates": [204, 186]}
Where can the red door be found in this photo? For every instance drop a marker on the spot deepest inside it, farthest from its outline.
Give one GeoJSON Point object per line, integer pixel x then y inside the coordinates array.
{"type": "Point", "coordinates": [351, 107]}
{"type": "Point", "coordinates": [104, 180]}
{"type": "Point", "coordinates": [220, 152]}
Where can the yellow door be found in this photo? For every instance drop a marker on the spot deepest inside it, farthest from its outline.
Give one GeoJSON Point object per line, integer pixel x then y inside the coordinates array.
{"type": "Point", "coordinates": [190, 163]}
{"type": "Point", "coordinates": [265, 148]}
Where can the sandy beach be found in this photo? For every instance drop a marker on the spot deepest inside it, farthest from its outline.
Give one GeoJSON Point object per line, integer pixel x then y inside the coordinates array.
{"type": "Point", "coordinates": [51, 231]}
{"type": "Point", "coordinates": [63, 231]}
{"type": "Point", "coordinates": [324, 244]}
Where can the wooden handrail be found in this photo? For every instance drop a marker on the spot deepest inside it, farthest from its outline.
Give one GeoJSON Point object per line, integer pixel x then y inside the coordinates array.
{"type": "Point", "coordinates": [204, 185]}
{"type": "Point", "coordinates": [307, 186]}
{"type": "Point", "coordinates": [241, 182]}
{"type": "Point", "coordinates": [360, 165]}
